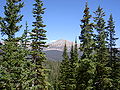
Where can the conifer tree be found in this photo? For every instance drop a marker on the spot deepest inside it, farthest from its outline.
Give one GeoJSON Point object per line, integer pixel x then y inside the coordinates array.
{"type": "Point", "coordinates": [24, 39]}
{"type": "Point", "coordinates": [64, 71]}
{"type": "Point", "coordinates": [102, 80]}
{"type": "Point", "coordinates": [86, 66]}
{"type": "Point", "coordinates": [38, 57]}
{"type": "Point", "coordinates": [14, 67]}
{"type": "Point", "coordinates": [73, 66]}
{"type": "Point", "coordinates": [86, 33]}
{"type": "Point", "coordinates": [76, 51]}
{"type": "Point", "coordinates": [72, 72]}
{"type": "Point", "coordinates": [12, 17]}
{"type": "Point", "coordinates": [13, 64]}
{"type": "Point", "coordinates": [113, 51]}
{"type": "Point", "coordinates": [111, 37]}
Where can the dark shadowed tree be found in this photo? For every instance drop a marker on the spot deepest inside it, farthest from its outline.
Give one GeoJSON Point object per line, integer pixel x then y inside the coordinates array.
{"type": "Point", "coordinates": [114, 62]}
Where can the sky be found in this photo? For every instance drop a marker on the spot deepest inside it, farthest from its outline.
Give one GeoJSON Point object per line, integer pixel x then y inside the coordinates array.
{"type": "Point", "coordinates": [62, 17]}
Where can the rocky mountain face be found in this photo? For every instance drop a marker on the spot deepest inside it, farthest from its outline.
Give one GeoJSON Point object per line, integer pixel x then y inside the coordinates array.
{"type": "Point", "coordinates": [59, 45]}
{"type": "Point", "coordinates": [55, 49]}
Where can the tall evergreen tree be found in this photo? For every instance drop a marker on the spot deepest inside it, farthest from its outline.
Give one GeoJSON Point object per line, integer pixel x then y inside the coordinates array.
{"type": "Point", "coordinates": [38, 36]}
{"type": "Point", "coordinates": [111, 37]}
{"type": "Point", "coordinates": [102, 80]}
{"type": "Point", "coordinates": [12, 17]}
{"type": "Point", "coordinates": [73, 62]}
{"type": "Point", "coordinates": [113, 51]}
{"type": "Point", "coordinates": [86, 34]}
{"type": "Point", "coordinates": [76, 51]}
{"type": "Point", "coordinates": [14, 67]}
{"type": "Point", "coordinates": [13, 64]}
{"type": "Point", "coordinates": [64, 71]}
{"type": "Point", "coordinates": [72, 72]}
{"type": "Point", "coordinates": [24, 39]}
{"type": "Point", "coordinates": [86, 66]}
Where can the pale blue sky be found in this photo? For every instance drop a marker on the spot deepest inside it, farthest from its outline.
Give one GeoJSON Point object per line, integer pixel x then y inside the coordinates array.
{"type": "Point", "coordinates": [62, 17]}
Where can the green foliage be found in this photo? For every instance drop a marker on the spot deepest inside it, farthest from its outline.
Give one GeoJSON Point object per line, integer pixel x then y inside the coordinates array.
{"type": "Point", "coordinates": [38, 36]}
{"type": "Point", "coordinates": [14, 68]}
{"type": "Point", "coordinates": [102, 79]}
{"type": "Point", "coordinates": [12, 17]}
{"type": "Point", "coordinates": [73, 66]}
{"type": "Point", "coordinates": [86, 65]}
{"type": "Point", "coordinates": [76, 52]}
{"type": "Point", "coordinates": [22, 68]}
{"type": "Point", "coordinates": [86, 73]}
{"type": "Point", "coordinates": [64, 71]}
{"type": "Point", "coordinates": [53, 75]}
{"type": "Point", "coordinates": [114, 62]}
{"type": "Point", "coordinates": [86, 35]}
{"type": "Point", "coordinates": [25, 39]}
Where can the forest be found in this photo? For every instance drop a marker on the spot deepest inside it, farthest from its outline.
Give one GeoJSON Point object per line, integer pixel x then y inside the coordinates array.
{"type": "Point", "coordinates": [24, 66]}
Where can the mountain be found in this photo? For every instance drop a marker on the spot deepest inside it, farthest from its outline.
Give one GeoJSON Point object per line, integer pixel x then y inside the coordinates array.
{"type": "Point", "coordinates": [59, 45]}
{"type": "Point", "coordinates": [55, 49]}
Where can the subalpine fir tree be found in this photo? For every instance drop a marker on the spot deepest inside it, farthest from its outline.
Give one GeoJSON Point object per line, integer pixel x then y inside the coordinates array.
{"type": "Point", "coordinates": [76, 51]}
{"type": "Point", "coordinates": [86, 66]}
{"type": "Point", "coordinates": [12, 17]}
{"type": "Point", "coordinates": [24, 39]}
{"type": "Point", "coordinates": [64, 71]}
{"type": "Point", "coordinates": [113, 52]}
{"type": "Point", "coordinates": [111, 38]}
{"type": "Point", "coordinates": [86, 35]}
{"type": "Point", "coordinates": [14, 69]}
{"type": "Point", "coordinates": [76, 59]}
{"type": "Point", "coordinates": [102, 80]}
{"type": "Point", "coordinates": [72, 70]}
{"type": "Point", "coordinates": [38, 57]}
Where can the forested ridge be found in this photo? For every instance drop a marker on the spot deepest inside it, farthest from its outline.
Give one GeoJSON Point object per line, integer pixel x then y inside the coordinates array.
{"type": "Point", "coordinates": [24, 66]}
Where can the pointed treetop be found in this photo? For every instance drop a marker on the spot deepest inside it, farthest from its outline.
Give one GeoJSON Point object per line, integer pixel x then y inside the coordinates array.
{"type": "Point", "coordinates": [86, 5]}
{"type": "Point", "coordinates": [111, 15]}
{"type": "Point", "coordinates": [86, 1]}
{"type": "Point", "coordinates": [75, 40]}
{"type": "Point", "coordinates": [65, 54]}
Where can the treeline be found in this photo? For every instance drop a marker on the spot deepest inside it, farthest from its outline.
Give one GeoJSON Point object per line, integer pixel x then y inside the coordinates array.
{"type": "Point", "coordinates": [23, 65]}
{"type": "Point", "coordinates": [98, 68]}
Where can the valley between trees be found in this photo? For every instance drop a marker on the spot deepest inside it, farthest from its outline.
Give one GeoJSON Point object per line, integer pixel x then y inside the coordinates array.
{"type": "Point", "coordinates": [24, 66]}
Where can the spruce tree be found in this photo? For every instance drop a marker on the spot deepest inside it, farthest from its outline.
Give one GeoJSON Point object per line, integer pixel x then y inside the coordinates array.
{"type": "Point", "coordinates": [38, 38]}
{"type": "Point", "coordinates": [64, 71]}
{"type": "Point", "coordinates": [102, 79]}
{"type": "Point", "coordinates": [86, 66]}
{"type": "Point", "coordinates": [113, 52]}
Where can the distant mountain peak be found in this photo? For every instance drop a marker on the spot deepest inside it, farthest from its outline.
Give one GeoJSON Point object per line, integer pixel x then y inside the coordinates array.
{"type": "Point", "coordinates": [56, 47]}
{"type": "Point", "coordinates": [59, 45]}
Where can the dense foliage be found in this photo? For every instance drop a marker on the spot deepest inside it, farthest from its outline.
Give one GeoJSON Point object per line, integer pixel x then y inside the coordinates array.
{"type": "Point", "coordinates": [23, 64]}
